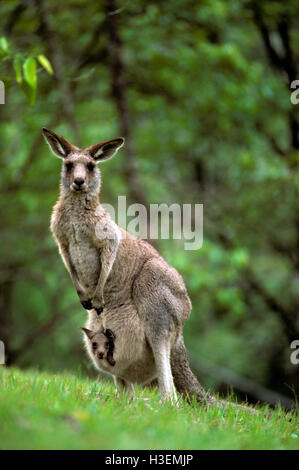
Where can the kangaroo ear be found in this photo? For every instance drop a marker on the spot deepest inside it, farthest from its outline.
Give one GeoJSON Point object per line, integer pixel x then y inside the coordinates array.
{"type": "Point", "coordinates": [109, 334]}
{"type": "Point", "coordinates": [58, 144]}
{"type": "Point", "coordinates": [105, 150]}
{"type": "Point", "coordinates": [87, 332]}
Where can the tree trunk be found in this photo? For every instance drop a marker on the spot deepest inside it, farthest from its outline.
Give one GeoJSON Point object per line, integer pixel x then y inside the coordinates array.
{"type": "Point", "coordinates": [119, 95]}
{"type": "Point", "coordinates": [47, 33]}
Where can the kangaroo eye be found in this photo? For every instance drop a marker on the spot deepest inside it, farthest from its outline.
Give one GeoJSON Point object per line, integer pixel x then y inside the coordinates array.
{"type": "Point", "coordinates": [94, 345]}
{"type": "Point", "coordinates": [69, 166]}
{"type": "Point", "coordinates": [90, 166]}
{"type": "Point", "coordinates": [106, 344]}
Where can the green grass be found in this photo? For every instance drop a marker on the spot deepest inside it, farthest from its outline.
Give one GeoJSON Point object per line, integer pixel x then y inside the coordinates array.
{"type": "Point", "coordinates": [46, 411]}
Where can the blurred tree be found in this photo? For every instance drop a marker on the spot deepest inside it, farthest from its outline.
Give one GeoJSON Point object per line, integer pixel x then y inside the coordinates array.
{"type": "Point", "coordinates": [201, 91]}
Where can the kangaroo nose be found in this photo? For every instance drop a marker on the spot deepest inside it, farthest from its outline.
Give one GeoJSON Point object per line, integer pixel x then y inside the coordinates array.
{"type": "Point", "coordinates": [101, 355]}
{"type": "Point", "coordinates": [79, 181]}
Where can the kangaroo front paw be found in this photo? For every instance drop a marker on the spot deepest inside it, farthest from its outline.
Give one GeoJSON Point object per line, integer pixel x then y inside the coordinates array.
{"type": "Point", "coordinates": [98, 306]}
{"type": "Point", "coordinates": [99, 310]}
{"type": "Point", "coordinates": [87, 304]}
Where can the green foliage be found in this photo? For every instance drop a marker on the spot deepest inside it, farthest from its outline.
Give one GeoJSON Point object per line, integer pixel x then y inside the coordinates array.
{"type": "Point", "coordinates": [210, 122]}
{"type": "Point", "coordinates": [45, 63]}
{"type": "Point", "coordinates": [25, 68]}
{"type": "Point", "coordinates": [3, 46]}
{"type": "Point", "coordinates": [68, 412]}
{"type": "Point", "coordinates": [29, 68]}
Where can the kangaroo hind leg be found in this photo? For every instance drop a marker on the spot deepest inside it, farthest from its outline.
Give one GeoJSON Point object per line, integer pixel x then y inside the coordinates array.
{"type": "Point", "coordinates": [159, 331]}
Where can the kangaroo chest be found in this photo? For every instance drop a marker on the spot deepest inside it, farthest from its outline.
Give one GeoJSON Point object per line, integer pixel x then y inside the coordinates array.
{"type": "Point", "coordinates": [85, 258]}
{"type": "Point", "coordinates": [83, 254]}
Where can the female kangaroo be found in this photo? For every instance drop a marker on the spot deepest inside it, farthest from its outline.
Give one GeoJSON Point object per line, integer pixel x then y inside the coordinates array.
{"type": "Point", "coordinates": [114, 271]}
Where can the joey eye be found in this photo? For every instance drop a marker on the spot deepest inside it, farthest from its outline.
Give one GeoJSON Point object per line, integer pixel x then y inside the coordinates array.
{"type": "Point", "coordinates": [106, 344]}
{"type": "Point", "coordinates": [90, 166]}
{"type": "Point", "coordinates": [69, 166]}
{"type": "Point", "coordinates": [94, 345]}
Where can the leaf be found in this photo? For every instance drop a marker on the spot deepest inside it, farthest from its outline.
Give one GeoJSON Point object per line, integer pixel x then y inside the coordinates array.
{"type": "Point", "coordinates": [29, 86]}
{"type": "Point", "coordinates": [18, 69]}
{"type": "Point", "coordinates": [45, 63]}
{"type": "Point", "coordinates": [3, 44]}
{"type": "Point", "coordinates": [29, 68]}
{"type": "Point", "coordinates": [240, 258]}
{"type": "Point", "coordinates": [30, 92]}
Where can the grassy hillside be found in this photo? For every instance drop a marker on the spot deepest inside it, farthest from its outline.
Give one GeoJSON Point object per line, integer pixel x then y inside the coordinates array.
{"type": "Point", "coordinates": [44, 411]}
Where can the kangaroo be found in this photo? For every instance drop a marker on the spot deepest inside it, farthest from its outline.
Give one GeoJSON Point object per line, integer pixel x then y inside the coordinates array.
{"type": "Point", "coordinates": [133, 357]}
{"type": "Point", "coordinates": [101, 345]}
{"type": "Point", "coordinates": [115, 271]}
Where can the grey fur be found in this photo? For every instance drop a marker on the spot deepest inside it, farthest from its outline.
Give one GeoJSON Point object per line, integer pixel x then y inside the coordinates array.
{"type": "Point", "coordinates": [144, 299]}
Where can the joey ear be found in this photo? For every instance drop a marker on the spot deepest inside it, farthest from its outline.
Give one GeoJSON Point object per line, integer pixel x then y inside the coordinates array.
{"type": "Point", "coordinates": [87, 332]}
{"type": "Point", "coordinates": [109, 334]}
{"type": "Point", "coordinates": [58, 144]}
{"type": "Point", "coordinates": [105, 150]}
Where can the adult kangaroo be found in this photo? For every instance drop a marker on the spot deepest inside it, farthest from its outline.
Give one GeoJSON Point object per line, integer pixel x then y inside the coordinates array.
{"type": "Point", "coordinates": [114, 271]}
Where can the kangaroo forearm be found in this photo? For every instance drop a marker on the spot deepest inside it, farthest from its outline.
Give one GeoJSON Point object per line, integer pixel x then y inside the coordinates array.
{"type": "Point", "coordinates": [98, 298]}
{"type": "Point", "coordinates": [108, 255]}
{"type": "Point", "coordinates": [99, 291]}
{"type": "Point", "coordinates": [76, 282]}
{"type": "Point", "coordinates": [71, 270]}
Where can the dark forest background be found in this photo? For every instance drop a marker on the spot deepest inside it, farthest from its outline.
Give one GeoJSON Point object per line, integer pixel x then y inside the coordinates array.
{"type": "Point", "coordinates": [201, 91]}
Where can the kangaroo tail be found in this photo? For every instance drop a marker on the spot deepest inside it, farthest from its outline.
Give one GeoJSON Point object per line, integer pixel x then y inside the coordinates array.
{"type": "Point", "coordinates": [184, 380]}
{"type": "Point", "coordinates": [187, 384]}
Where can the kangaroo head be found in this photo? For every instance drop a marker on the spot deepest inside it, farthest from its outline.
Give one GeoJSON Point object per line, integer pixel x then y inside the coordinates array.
{"type": "Point", "coordinates": [79, 170]}
{"type": "Point", "coordinates": [102, 344]}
